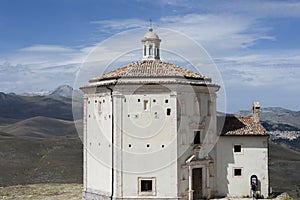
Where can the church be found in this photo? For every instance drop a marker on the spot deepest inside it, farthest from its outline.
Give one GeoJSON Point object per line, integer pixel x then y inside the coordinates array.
{"type": "Point", "coordinates": [151, 131]}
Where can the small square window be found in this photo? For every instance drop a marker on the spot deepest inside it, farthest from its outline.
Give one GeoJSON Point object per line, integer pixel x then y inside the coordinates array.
{"type": "Point", "coordinates": [146, 186]}
{"type": "Point", "coordinates": [166, 101]}
{"type": "Point", "coordinates": [237, 148]}
{"type": "Point", "coordinates": [154, 100]}
{"type": "Point", "coordinates": [139, 100]}
{"type": "Point", "coordinates": [237, 172]}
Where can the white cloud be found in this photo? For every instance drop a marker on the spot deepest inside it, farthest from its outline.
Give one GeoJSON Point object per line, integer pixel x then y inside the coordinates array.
{"type": "Point", "coordinates": [219, 33]}
{"type": "Point", "coordinates": [47, 48]}
{"type": "Point", "coordinates": [119, 24]}
{"type": "Point", "coordinates": [261, 70]}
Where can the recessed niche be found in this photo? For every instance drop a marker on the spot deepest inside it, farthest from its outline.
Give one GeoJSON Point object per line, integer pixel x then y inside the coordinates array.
{"type": "Point", "coordinates": [129, 145]}
{"type": "Point", "coordinates": [162, 146]}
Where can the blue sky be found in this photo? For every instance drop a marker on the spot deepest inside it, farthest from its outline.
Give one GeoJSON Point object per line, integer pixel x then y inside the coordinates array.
{"type": "Point", "coordinates": [255, 44]}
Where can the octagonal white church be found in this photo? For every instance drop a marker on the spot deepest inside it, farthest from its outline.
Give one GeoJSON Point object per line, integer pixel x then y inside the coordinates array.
{"type": "Point", "coordinates": [151, 132]}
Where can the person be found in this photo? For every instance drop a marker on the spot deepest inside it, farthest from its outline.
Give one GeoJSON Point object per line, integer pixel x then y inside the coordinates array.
{"type": "Point", "coordinates": [253, 189]}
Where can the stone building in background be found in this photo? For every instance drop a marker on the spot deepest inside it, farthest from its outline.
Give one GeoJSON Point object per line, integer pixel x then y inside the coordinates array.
{"type": "Point", "coordinates": [151, 131]}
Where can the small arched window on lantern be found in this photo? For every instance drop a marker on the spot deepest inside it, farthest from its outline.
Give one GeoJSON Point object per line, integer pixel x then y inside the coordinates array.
{"type": "Point", "coordinates": [150, 50]}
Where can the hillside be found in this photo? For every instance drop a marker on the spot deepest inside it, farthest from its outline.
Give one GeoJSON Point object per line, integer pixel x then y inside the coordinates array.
{"type": "Point", "coordinates": [284, 165]}
{"type": "Point", "coordinates": [51, 160]}
{"type": "Point", "coordinates": [40, 127]}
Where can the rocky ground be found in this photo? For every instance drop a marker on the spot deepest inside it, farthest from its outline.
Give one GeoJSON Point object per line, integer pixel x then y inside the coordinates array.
{"type": "Point", "coordinates": [42, 192]}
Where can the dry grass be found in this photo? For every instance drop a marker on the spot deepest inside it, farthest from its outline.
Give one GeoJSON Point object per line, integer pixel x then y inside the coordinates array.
{"type": "Point", "coordinates": [42, 192]}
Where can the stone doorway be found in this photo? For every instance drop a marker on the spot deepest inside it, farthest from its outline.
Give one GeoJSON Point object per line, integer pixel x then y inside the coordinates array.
{"type": "Point", "coordinates": [197, 183]}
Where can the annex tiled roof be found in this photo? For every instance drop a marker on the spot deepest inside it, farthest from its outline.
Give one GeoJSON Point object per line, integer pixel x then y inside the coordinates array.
{"type": "Point", "coordinates": [241, 125]}
{"type": "Point", "coordinates": [150, 68]}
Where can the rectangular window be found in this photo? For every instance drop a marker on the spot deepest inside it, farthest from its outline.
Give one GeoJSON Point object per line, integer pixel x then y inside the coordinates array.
{"type": "Point", "coordinates": [146, 105]}
{"type": "Point", "coordinates": [145, 50]}
{"type": "Point", "coordinates": [196, 137]}
{"type": "Point", "coordinates": [237, 171]}
{"type": "Point", "coordinates": [168, 111]}
{"type": "Point", "coordinates": [237, 148]}
{"type": "Point", "coordinates": [147, 186]}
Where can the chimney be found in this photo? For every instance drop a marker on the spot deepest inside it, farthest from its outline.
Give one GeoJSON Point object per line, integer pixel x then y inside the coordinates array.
{"type": "Point", "coordinates": [256, 111]}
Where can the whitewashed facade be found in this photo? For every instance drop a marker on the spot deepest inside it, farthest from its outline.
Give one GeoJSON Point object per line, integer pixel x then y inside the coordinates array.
{"type": "Point", "coordinates": [150, 132]}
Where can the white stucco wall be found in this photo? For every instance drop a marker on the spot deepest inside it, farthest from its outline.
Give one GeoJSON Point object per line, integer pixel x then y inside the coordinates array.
{"type": "Point", "coordinates": [97, 144]}
{"type": "Point", "coordinates": [253, 160]}
{"type": "Point", "coordinates": [149, 143]}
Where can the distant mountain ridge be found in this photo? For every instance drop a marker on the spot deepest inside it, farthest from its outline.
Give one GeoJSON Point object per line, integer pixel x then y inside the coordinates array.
{"type": "Point", "coordinates": [57, 104]}
{"type": "Point", "coordinates": [277, 115]}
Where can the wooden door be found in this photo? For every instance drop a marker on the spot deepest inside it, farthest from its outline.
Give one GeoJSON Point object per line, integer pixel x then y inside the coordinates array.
{"type": "Point", "coordinates": [197, 183]}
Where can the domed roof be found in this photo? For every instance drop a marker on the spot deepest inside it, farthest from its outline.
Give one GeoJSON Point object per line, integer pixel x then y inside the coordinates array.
{"type": "Point", "coordinates": [150, 69]}
{"type": "Point", "coordinates": [151, 35]}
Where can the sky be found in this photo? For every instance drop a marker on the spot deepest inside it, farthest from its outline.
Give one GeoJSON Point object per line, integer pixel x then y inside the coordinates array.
{"type": "Point", "coordinates": [254, 45]}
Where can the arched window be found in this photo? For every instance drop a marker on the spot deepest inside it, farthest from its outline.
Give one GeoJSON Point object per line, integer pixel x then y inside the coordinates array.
{"type": "Point", "coordinates": [145, 50]}
{"type": "Point", "coordinates": [150, 50]}
{"type": "Point", "coordinates": [253, 179]}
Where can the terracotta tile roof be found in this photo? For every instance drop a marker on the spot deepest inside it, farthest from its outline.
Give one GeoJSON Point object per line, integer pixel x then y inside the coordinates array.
{"type": "Point", "coordinates": [240, 125]}
{"type": "Point", "coordinates": [150, 68]}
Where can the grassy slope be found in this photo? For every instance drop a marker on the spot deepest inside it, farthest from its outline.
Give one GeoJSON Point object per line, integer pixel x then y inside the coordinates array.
{"type": "Point", "coordinates": [26, 160]}
{"type": "Point", "coordinates": [284, 167]}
